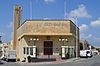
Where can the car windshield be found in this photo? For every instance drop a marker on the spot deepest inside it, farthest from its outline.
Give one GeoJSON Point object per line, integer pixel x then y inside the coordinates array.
{"type": "Point", "coordinates": [88, 52]}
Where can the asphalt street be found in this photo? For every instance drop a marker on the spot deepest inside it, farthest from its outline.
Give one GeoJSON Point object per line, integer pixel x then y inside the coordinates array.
{"type": "Point", "coordinates": [94, 61]}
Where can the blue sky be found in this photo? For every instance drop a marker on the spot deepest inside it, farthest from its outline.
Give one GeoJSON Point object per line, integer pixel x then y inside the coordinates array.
{"type": "Point", "coordinates": [86, 11]}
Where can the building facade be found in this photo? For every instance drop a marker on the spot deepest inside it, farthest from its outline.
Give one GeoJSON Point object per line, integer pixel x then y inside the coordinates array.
{"type": "Point", "coordinates": [48, 36]}
{"type": "Point", "coordinates": [84, 45]}
{"type": "Point", "coordinates": [3, 50]}
{"type": "Point", "coordinates": [39, 38]}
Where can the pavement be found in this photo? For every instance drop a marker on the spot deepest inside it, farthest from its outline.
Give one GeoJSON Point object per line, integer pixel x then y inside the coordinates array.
{"type": "Point", "coordinates": [94, 61]}
{"type": "Point", "coordinates": [52, 62]}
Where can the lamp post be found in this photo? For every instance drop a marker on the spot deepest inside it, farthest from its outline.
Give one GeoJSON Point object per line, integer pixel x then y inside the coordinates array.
{"type": "Point", "coordinates": [34, 39]}
{"type": "Point", "coordinates": [63, 48]}
{"type": "Point", "coordinates": [63, 40]}
{"type": "Point", "coordinates": [34, 49]}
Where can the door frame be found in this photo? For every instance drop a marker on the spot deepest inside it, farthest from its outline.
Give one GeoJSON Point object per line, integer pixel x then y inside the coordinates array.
{"type": "Point", "coordinates": [51, 47]}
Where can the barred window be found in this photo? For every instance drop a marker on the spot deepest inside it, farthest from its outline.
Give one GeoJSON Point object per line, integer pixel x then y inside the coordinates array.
{"type": "Point", "coordinates": [31, 50]}
{"type": "Point", "coordinates": [27, 50]}
{"type": "Point", "coordinates": [24, 50]}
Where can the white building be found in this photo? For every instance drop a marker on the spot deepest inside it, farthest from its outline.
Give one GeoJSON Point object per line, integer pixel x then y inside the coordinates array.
{"type": "Point", "coordinates": [3, 50]}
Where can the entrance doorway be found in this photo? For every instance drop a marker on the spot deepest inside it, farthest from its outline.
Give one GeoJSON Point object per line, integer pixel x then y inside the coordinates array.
{"type": "Point", "coordinates": [48, 47]}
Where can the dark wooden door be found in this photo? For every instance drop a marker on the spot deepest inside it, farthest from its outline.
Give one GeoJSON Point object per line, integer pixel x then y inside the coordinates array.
{"type": "Point", "coordinates": [48, 47]}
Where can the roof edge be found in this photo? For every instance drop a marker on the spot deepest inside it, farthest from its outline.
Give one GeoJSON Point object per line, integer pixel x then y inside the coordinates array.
{"type": "Point", "coordinates": [46, 20]}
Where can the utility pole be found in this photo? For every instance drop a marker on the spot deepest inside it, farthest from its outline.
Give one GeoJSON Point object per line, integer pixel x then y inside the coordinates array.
{"type": "Point", "coordinates": [65, 9]}
{"type": "Point", "coordinates": [30, 9]}
{"type": "Point", "coordinates": [0, 40]}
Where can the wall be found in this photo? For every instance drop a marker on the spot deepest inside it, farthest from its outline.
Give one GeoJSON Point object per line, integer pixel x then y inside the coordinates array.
{"type": "Point", "coordinates": [43, 27]}
{"type": "Point", "coordinates": [25, 42]}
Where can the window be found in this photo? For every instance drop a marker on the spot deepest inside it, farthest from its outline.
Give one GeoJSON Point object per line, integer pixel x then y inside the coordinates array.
{"type": "Point", "coordinates": [88, 52]}
{"type": "Point", "coordinates": [24, 50]}
{"type": "Point", "coordinates": [27, 50]}
{"type": "Point", "coordinates": [31, 50]}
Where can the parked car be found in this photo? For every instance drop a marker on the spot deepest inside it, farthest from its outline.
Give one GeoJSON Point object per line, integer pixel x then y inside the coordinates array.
{"type": "Point", "coordinates": [1, 62]}
{"type": "Point", "coordinates": [11, 56]}
{"type": "Point", "coordinates": [86, 53]}
{"type": "Point", "coordinates": [95, 52]}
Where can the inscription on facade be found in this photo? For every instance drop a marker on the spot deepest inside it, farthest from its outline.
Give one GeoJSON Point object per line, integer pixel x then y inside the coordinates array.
{"type": "Point", "coordinates": [55, 24]}
{"type": "Point", "coordinates": [46, 27]}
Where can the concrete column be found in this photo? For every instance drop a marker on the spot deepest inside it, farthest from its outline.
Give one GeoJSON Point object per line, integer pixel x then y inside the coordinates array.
{"type": "Point", "coordinates": [70, 51]}
{"type": "Point", "coordinates": [29, 50]}
{"type": "Point", "coordinates": [63, 52]}
{"type": "Point", "coordinates": [66, 49]}
{"type": "Point", "coordinates": [73, 52]}
{"type": "Point", "coordinates": [34, 52]}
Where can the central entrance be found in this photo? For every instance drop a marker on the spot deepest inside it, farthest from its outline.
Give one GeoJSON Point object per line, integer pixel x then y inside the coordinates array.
{"type": "Point", "coordinates": [48, 47]}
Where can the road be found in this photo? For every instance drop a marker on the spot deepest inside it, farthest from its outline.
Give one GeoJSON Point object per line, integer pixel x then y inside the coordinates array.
{"type": "Point", "coordinates": [95, 61]}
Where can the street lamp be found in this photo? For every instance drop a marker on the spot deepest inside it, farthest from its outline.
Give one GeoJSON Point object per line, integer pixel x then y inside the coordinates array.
{"type": "Point", "coordinates": [32, 49]}
{"type": "Point", "coordinates": [34, 39]}
{"type": "Point", "coordinates": [63, 40]}
{"type": "Point", "coordinates": [63, 48]}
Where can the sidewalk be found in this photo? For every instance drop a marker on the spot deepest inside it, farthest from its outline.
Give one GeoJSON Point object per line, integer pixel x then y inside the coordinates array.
{"type": "Point", "coordinates": [51, 62]}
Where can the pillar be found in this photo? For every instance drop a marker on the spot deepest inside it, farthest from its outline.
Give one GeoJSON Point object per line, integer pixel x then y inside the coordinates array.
{"type": "Point", "coordinates": [64, 52]}
{"type": "Point", "coordinates": [34, 52]}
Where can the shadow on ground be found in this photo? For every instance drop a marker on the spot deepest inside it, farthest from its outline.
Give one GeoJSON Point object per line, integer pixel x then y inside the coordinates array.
{"type": "Point", "coordinates": [43, 59]}
{"type": "Point", "coordinates": [95, 64]}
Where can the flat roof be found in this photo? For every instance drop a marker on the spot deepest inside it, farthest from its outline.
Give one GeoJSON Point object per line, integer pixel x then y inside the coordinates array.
{"type": "Point", "coordinates": [47, 20]}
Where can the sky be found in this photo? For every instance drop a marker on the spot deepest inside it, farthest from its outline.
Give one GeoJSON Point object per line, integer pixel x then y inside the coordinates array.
{"type": "Point", "coordinates": [86, 13]}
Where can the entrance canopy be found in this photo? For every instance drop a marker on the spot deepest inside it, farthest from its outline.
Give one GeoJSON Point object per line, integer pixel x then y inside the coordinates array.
{"type": "Point", "coordinates": [62, 34]}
